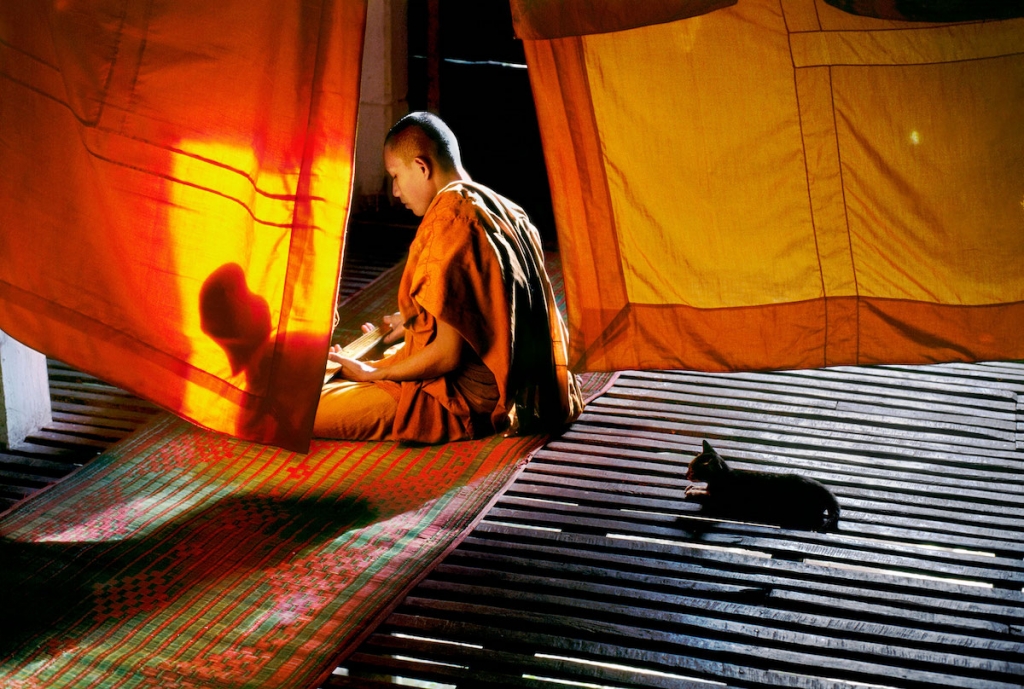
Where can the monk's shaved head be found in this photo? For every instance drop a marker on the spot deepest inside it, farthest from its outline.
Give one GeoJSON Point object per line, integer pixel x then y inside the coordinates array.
{"type": "Point", "coordinates": [424, 135]}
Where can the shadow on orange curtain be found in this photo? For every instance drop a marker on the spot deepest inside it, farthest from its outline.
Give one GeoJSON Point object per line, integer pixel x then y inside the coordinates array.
{"type": "Point", "coordinates": [175, 188]}
{"type": "Point", "coordinates": [782, 184]}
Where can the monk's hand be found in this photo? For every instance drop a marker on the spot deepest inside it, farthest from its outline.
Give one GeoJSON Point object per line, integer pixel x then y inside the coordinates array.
{"type": "Point", "coordinates": [394, 328]}
{"type": "Point", "coordinates": [352, 369]}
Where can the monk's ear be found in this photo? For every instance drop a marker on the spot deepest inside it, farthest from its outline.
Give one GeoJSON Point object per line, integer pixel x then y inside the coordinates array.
{"type": "Point", "coordinates": [424, 165]}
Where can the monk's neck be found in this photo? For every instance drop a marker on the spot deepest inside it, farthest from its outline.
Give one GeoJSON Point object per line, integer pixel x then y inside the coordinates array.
{"type": "Point", "coordinates": [457, 175]}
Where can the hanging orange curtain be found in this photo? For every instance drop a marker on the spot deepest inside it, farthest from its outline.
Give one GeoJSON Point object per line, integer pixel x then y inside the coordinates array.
{"type": "Point", "coordinates": [175, 186]}
{"type": "Point", "coordinates": [781, 184]}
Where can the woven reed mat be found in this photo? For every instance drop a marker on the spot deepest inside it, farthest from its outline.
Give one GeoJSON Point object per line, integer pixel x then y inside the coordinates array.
{"type": "Point", "coordinates": [187, 559]}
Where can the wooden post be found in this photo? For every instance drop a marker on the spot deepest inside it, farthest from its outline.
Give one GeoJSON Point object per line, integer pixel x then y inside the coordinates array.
{"type": "Point", "coordinates": [382, 97]}
{"type": "Point", "coordinates": [24, 392]}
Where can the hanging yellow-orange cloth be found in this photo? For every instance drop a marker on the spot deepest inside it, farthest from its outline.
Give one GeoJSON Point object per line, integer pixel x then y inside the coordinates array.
{"type": "Point", "coordinates": [784, 185]}
{"type": "Point", "coordinates": [175, 186]}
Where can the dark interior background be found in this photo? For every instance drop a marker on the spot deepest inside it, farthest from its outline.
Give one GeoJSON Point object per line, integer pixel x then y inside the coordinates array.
{"type": "Point", "coordinates": [485, 97]}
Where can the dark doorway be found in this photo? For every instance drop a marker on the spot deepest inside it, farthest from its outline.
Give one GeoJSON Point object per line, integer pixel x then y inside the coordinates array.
{"type": "Point", "coordinates": [483, 93]}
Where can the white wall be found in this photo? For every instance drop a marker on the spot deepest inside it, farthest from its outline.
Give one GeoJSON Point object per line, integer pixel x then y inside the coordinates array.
{"type": "Point", "coordinates": [24, 391]}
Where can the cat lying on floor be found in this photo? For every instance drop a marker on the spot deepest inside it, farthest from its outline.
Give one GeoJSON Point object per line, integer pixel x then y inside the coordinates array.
{"type": "Point", "coordinates": [787, 500]}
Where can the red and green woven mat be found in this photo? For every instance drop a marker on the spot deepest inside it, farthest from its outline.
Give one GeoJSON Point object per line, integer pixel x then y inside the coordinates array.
{"type": "Point", "coordinates": [183, 558]}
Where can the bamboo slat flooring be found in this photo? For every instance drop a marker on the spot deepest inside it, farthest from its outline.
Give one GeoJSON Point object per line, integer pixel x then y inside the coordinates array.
{"type": "Point", "coordinates": [593, 570]}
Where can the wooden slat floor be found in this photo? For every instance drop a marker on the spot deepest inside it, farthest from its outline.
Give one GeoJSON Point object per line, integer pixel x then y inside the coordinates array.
{"type": "Point", "coordinates": [89, 416]}
{"type": "Point", "coordinates": [594, 571]}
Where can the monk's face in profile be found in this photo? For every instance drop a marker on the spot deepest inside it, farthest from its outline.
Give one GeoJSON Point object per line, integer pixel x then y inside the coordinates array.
{"type": "Point", "coordinates": [411, 181]}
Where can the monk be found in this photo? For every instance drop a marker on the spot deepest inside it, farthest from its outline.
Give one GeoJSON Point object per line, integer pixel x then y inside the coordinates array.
{"type": "Point", "coordinates": [484, 344]}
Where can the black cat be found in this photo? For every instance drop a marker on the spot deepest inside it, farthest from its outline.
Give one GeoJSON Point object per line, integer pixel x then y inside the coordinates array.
{"type": "Point", "coordinates": [787, 500]}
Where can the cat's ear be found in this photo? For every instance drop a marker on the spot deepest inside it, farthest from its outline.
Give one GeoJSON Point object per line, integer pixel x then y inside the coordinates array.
{"type": "Point", "coordinates": [707, 447]}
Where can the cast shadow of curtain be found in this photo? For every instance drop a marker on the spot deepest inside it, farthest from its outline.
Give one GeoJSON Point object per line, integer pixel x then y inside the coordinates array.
{"type": "Point", "coordinates": [55, 593]}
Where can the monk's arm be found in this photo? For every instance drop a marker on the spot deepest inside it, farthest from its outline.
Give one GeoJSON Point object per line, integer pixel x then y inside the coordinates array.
{"type": "Point", "coordinates": [436, 359]}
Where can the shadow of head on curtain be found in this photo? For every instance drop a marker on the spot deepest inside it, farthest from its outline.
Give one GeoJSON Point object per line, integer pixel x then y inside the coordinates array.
{"type": "Point", "coordinates": [233, 316]}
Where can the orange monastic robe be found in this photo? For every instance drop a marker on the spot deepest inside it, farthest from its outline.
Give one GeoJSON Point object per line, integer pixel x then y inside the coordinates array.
{"type": "Point", "coordinates": [476, 263]}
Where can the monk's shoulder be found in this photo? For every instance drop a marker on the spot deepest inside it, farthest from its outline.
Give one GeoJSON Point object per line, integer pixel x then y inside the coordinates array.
{"type": "Point", "coordinates": [456, 213]}
{"type": "Point", "coordinates": [442, 237]}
